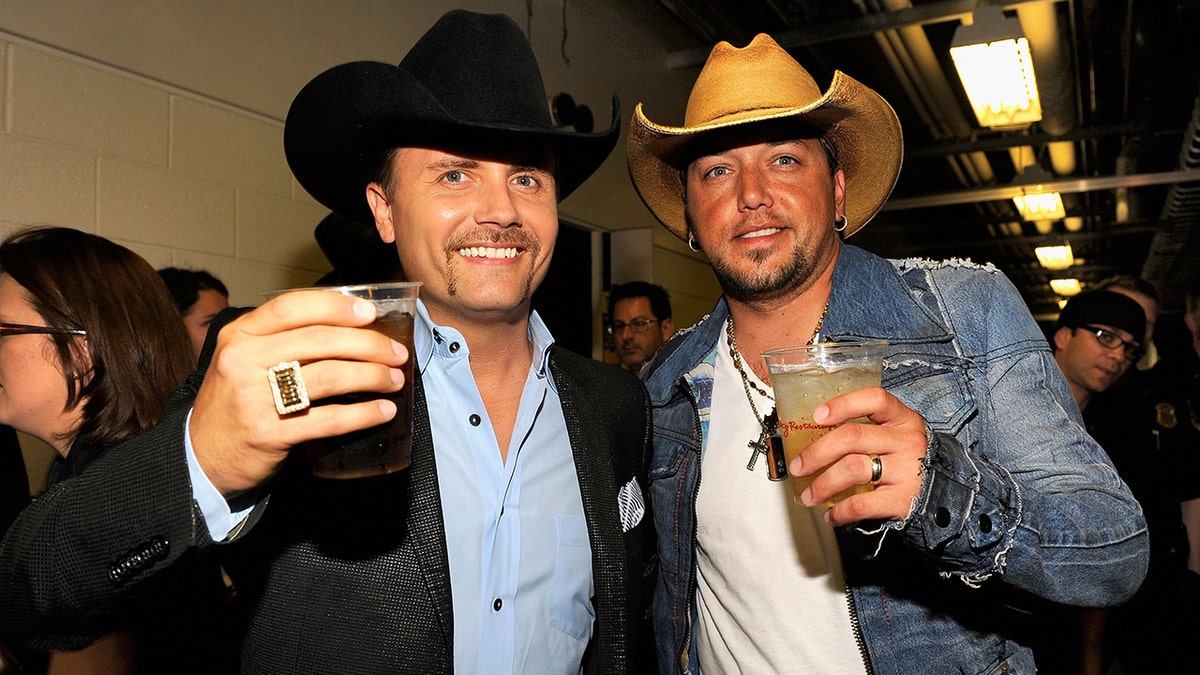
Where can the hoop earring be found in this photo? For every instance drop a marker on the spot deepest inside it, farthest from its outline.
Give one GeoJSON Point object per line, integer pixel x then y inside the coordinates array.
{"type": "Point", "coordinates": [840, 224]}
{"type": "Point", "coordinates": [692, 243]}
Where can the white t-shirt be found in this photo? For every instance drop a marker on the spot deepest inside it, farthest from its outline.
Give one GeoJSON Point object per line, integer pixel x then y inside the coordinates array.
{"type": "Point", "coordinates": [770, 590]}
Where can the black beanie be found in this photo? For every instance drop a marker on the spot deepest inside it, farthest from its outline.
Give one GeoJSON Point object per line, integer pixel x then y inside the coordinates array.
{"type": "Point", "coordinates": [1106, 308]}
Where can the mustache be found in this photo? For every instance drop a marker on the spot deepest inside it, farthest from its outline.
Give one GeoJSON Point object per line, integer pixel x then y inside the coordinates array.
{"type": "Point", "coordinates": [514, 236]}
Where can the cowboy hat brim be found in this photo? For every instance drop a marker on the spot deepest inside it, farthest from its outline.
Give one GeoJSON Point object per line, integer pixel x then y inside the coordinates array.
{"type": "Point", "coordinates": [343, 122]}
{"type": "Point", "coordinates": [859, 122]}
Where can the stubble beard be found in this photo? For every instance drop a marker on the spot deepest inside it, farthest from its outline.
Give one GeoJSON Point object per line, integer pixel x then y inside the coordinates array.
{"type": "Point", "coordinates": [763, 282]}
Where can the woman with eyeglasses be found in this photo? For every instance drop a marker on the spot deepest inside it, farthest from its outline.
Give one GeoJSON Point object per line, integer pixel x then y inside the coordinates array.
{"type": "Point", "coordinates": [91, 348]}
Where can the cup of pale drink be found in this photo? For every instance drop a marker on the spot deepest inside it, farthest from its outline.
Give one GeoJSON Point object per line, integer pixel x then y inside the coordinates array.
{"type": "Point", "coordinates": [804, 378]}
{"type": "Point", "coordinates": [387, 447]}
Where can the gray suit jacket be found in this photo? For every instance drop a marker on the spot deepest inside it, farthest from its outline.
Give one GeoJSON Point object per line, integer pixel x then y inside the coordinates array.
{"type": "Point", "coordinates": [339, 576]}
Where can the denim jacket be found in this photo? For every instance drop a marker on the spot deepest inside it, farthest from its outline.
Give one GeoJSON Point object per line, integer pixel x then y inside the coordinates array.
{"type": "Point", "coordinates": [1018, 506]}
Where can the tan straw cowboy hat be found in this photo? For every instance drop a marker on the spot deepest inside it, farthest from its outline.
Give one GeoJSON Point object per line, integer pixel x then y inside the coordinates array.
{"type": "Point", "coordinates": [758, 83]}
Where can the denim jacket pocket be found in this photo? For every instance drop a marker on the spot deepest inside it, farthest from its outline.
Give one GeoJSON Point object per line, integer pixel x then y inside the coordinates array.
{"type": "Point", "coordinates": [943, 396]}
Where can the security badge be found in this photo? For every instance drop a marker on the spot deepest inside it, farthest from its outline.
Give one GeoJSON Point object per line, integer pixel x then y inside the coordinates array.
{"type": "Point", "coordinates": [1165, 415]}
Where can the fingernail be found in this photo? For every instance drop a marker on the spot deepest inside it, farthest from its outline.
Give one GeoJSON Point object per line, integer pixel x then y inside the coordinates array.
{"type": "Point", "coordinates": [820, 413]}
{"type": "Point", "coordinates": [364, 309]}
{"type": "Point", "coordinates": [806, 496]}
{"type": "Point", "coordinates": [387, 408]}
{"type": "Point", "coordinates": [397, 375]}
{"type": "Point", "coordinates": [399, 349]}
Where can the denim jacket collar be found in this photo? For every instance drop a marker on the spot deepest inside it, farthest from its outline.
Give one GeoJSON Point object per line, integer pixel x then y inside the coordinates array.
{"type": "Point", "coordinates": [869, 302]}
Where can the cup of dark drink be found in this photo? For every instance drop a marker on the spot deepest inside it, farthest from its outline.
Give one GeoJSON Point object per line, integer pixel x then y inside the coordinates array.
{"type": "Point", "coordinates": [385, 448]}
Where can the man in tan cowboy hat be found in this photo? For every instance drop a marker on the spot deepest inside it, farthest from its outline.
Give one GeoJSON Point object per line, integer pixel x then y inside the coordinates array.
{"type": "Point", "coordinates": [988, 496]}
{"type": "Point", "coordinates": [516, 541]}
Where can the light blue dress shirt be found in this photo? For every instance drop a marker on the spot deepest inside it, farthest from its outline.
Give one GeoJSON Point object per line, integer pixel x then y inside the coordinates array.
{"type": "Point", "coordinates": [516, 537]}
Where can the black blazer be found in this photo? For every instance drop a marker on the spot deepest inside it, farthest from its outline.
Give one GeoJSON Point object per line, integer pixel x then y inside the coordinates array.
{"type": "Point", "coordinates": [338, 576]}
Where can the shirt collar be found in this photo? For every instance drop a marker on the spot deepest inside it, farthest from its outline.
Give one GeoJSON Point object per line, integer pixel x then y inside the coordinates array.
{"type": "Point", "coordinates": [427, 336]}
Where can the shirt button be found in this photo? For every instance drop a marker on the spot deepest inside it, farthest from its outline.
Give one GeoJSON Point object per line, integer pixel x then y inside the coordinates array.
{"type": "Point", "coordinates": [985, 523]}
{"type": "Point", "coordinates": [474, 420]}
{"type": "Point", "coordinates": [497, 604]}
{"type": "Point", "coordinates": [453, 347]}
{"type": "Point", "coordinates": [942, 516]}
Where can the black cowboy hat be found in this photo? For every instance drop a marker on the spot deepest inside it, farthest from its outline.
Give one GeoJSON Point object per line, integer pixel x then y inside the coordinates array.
{"type": "Point", "coordinates": [471, 81]}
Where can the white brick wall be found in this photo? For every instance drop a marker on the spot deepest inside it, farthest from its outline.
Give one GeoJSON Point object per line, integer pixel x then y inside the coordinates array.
{"type": "Point", "coordinates": [180, 179]}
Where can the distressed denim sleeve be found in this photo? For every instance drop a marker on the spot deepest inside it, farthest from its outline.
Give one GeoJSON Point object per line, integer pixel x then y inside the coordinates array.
{"type": "Point", "coordinates": [1024, 494]}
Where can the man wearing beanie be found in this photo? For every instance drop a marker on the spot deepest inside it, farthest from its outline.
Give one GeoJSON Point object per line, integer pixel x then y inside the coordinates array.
{"type": "Point", "coordinates": [1097, 337]}
{"type": "Point", "coordinates": [1096, 340]}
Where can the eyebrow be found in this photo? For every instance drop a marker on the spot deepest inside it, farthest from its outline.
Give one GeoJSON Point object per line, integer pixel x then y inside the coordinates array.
{"type": "Point", "coordinates": [530, 168]}
{"type": "Point", "coordinates": [455, 163]}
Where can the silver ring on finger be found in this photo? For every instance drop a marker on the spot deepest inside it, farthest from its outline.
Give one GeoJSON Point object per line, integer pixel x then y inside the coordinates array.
{"type": "Point", "coordinates": [876, 469]}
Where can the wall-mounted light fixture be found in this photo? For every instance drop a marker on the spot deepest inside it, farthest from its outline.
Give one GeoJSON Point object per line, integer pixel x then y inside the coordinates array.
{"type": "Point", "coordinates": [1066, 287]}
{"type": "Point", "coordinates": [567, 114]}
{"type": "Point", "coordinates": [992, 58]}
{"type": "Point", "coordinates": [1055, 257]}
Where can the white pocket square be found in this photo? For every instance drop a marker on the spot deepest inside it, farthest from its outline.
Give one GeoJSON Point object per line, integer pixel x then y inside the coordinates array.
{"type": "Point", "coordinates": [631, 505]}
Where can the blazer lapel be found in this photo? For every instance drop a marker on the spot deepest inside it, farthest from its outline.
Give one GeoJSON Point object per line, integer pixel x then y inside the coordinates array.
{"type": "Point", "coordinates": [425, 524]}
{"type": "Point", "coordinates": [594, 467]}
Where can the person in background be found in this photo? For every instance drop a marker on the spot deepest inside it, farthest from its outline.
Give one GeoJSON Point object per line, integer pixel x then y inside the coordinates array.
{"type": "Point", "coordinates": [14, 497]}
{"type": "Point", "coordinates": [1153, 444]}
{"type": "Point", "coordinates": [14, 481]}
{"type": "Point", "coordinates": [199, 297]}
{"type": "Point", "coordinates": [1097, 337]}
{"type": "Point", "coordinates": [518, 540]}
{"type": "Point", "coordinates": [639, 315]}
{"type": "Point", "coordinates": [987, 495]}
{"type": "Point", "coordinates": [84, 366]}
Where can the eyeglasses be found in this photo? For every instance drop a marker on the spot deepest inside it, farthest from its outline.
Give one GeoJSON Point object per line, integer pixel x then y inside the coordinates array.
{"type": "Point", "coordinates": [635, 325]}
{"type": "Point", "coordinates": [7, 329]}
{"type": "Point", "coordinates": [1110, 340]}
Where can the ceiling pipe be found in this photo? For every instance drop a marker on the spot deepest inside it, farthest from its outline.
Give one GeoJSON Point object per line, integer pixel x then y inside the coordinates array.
{"type": "Point", "coordinates": [1056, 87]}
{"type": "Point", "coordinates": [912, 57]}
{"type": "Point", "coordinates": [1163, 263]}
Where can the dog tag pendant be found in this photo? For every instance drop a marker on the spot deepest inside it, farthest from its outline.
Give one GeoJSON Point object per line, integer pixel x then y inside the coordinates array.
{"type": "Point", "coordinates": [776, 461]}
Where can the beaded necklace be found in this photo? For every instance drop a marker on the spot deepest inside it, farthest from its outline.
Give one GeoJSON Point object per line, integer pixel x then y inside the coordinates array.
{"type": "Point", "coordinates": [769, 442]}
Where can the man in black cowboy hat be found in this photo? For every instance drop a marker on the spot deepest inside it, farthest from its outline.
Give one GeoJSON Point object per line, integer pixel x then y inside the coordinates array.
{"type": "Point", "coordinates": [516, 541]}
{"type": "Point", "coordinates": [976, 487]}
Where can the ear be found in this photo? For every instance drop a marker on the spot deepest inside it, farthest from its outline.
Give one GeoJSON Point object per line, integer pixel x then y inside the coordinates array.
{"type": "Point", "coordinates": [1192, 323]}
{"type": "Point", "coordinates": [381, 208]}
{"type": "Point", "coordinates": [668, 328]}
{"type": "Point", "coordinates": [839, 192]}
{"type": "Point", "coordinates": [1061, 337]}
{"type": "Point", "coordinates": [81, 359]}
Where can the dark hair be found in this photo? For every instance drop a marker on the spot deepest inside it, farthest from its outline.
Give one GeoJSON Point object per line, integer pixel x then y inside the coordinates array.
{"type": "Point", "coordinates": [660, 302]}
{"type": "Point", "coordinates": [185, 286]}
{"type": "Point", "coordinates": [77, 280]}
